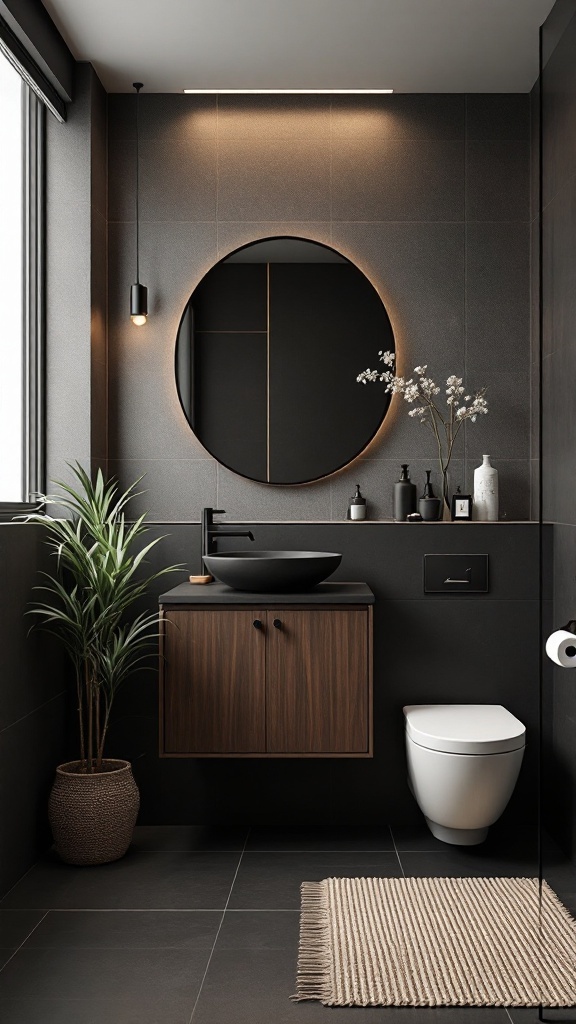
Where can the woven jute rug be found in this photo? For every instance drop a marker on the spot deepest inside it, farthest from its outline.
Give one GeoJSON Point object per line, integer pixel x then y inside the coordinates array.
{"type": "Point", "coordinates": [435, 942]}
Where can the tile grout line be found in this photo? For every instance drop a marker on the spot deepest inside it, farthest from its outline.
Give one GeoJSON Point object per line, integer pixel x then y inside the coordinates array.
{"type": "Point", "coordinates": [38, 923]}
{"type": "Point", "coordinates": [396, 851]}
{"type": "Point", "coordinates": [199, 993]}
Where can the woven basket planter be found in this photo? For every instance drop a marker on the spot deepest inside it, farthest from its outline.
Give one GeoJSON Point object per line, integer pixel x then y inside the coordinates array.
{"type": "Point", "coordinates": [93, 816]}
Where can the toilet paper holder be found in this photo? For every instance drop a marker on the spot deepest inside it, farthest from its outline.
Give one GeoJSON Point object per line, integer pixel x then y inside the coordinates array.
{"type": "Point", "coordinates": [561, 645]}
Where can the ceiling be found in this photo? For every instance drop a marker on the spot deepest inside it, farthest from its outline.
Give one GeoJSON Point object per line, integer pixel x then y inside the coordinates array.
{"type": "Point", "coordinates": [405, 45]}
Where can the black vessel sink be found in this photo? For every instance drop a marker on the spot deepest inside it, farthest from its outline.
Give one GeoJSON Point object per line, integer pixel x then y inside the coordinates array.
{"type": "Point", "coordinates": [267, 572]}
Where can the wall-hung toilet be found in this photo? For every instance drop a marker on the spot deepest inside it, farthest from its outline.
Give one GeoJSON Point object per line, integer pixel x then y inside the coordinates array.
{"type": "Point", "coordinates": [463, 763]}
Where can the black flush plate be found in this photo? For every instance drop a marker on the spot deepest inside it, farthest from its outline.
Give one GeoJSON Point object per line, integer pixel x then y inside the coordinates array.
{"type": "Point", "coordinates": [455, 574]}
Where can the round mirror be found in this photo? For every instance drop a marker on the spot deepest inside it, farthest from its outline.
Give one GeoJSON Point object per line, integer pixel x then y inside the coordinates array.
{"type": "Point", "coordinates": [268, 350]}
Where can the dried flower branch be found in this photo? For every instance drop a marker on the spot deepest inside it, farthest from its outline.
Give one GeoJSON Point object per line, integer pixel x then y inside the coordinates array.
{"type": "Point", "coordinates": [423, 390]}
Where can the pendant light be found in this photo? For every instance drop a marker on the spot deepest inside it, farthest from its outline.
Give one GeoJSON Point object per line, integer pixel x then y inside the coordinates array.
{"type": "Point", "coordinates": [138, 292]}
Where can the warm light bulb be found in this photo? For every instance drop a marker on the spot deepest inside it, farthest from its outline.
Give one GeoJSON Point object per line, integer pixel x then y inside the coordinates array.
{"type": "Point", "coordinates": [139, 320]}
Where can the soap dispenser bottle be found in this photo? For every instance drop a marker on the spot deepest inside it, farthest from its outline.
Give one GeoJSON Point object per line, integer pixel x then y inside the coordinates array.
{"type": "Point", "coordinates": [404, 496]}
{"type": "Point", "coordinates": [429, 505]}
{"type": "Point", "coordinates": [357, 506]}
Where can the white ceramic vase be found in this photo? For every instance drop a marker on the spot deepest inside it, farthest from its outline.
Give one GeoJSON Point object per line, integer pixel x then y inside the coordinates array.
{"type": "Point", "coordinates": [486, 492]}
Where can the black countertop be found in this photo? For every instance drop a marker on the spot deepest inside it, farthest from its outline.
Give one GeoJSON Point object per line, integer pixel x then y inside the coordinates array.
{"type": "Point", "coordinates": [219, 593]}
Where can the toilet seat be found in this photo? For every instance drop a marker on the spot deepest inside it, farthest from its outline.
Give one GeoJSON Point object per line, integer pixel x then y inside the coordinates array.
{"type": "Point", "coordinates": [464, 728]}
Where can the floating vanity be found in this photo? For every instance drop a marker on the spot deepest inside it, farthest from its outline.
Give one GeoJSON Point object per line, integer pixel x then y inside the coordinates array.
{"type": "Point", "coordinates": [266, 675]}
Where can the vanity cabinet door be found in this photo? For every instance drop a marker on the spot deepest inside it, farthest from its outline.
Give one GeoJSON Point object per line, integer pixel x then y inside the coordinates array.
{"type": "Point", "coordinates": [319, 673]}
{"type": "Point", "coordinates": [214, 681]}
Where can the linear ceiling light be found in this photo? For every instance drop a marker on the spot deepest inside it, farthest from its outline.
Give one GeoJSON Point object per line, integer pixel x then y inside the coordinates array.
{"type": "Point", "coordinates": [292, 92]}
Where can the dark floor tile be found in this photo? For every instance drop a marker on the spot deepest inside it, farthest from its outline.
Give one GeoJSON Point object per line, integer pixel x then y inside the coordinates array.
{"type": "Point", "coordinates": [140, 881]}
{"type": "Point", "coordinates": [187, 839]}
{"type": "Point", "coordinates": [16, 925]}
{"type": "Point", "coordinates": [120, 977]}
{"type": "Point", "coordinates": [254, 987]}
{"type": "Point", "coordinates": [501, 843]}
{"type": "Point", "coordinates": [416, 837]}
{"type": "Point", "coordinates": [349, 838]}
{"type": "Point", "coordinates": [271, 881]}
{"type": "Point", "coordinates": [530, 1016]}
{"type": "Point", "coordinates": [126, 929]}
{"type": "Point", "coordinates": [260, 929]}
{"type": "Point", "coordinates": [465, 861]}
{"type": "Point", "coordinates": [97, 1011]}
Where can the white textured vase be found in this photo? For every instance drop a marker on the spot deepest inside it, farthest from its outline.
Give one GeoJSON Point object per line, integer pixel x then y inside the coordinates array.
{"type": "Point", "coordinates": [486, 492]}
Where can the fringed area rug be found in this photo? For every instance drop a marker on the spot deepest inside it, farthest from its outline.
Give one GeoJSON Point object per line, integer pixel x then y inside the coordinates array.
{"type": "Point", "coordinates": [435, 942]}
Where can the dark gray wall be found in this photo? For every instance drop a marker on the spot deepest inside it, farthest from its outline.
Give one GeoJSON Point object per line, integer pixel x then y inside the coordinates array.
{"type": "Point", "coordinates": [32, 706]}
{"type": "Point", "coordinates": [76, 258]}
{"type": "Point", "coordinates": [428, 195]}
{"type": "Point", "coordinates": [559, 410]}
{"type": "Point", "coordinates": [434, 649]}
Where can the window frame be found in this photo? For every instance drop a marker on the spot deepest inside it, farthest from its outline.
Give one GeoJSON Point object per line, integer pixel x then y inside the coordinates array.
{"type": "Point", "coordinates": [34, 305]}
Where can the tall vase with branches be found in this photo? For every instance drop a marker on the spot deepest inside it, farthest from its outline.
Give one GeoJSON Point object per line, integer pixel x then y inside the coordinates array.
{"type": "Point", "coordinates": [88, 599]}
{"type": "Point", "coordinates": [445, 426]}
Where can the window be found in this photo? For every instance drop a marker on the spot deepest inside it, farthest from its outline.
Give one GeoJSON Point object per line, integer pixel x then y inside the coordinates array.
{"type": "Point", "coordinates": [21, 320]}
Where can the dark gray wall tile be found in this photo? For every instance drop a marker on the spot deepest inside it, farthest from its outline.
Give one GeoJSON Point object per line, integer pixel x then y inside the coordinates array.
{"type": "Point", "coordinates": [287, 118]}
{"type": "Point", "coordinates": [418, 271]}
{"type": "Point", "coordinates": [172, 489]}
{"type": "Point", "coordinates": [558, 261]}
{"type": "Point", "coordinates": [232, 234]}
{"type": "Point", "coordinates": [493, 116]}
{"type": "Point", "coordinates": [558, 127]}
{"type": "Point", "coordinates": [408, 116]}
{"type": "Point", "coordinates": [498, 309]}
{"type": "Point", "coordinates": [376, 181]}
{"type": "Point", "coordinates": [253, 184]}
{"type": "Point", "coordinates": [535, 150]}
{"type": "Point", "coordinates": [162, 116]}
{"type": "Point", "coordinates": [497, 180]}
{"type": "Point", "coordinates": [122, 180]}
{"type": "Point", "coordinates": [558, 431]}
{"type": "Point", "coordinates": [24, 650]}
{"type": "Point", "coordinates": [145, 417]}
{"type": "Point", "coordinates": [178, 181]}
{"type": "Point", "coordinates": [246, 499]}
{"type": "Point", "coordinates": [29, 752]}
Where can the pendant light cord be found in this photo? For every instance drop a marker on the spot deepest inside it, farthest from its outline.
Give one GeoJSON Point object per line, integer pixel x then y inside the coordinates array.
{"type": "Point", "coordinates": [137, 86]}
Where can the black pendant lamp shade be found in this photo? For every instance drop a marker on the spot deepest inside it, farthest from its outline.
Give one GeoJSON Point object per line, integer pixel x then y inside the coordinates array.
{"type": "Point", "coordinates": [138, 292]}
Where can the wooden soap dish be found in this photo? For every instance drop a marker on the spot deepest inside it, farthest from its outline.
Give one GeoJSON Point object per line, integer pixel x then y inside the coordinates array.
{"type": "Point", "coordinates": [200, 579]}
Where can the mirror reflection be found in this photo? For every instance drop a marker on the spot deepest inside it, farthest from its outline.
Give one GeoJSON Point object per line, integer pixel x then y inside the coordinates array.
{"type": "Point", "coordinates": [267, 355]}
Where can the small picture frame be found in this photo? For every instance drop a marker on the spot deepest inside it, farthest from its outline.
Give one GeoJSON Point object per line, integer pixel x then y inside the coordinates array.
{"type": "Point", "coordinates": [461, 508]}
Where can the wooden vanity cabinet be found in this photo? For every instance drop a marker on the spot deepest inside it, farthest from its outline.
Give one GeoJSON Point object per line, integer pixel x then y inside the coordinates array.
{"type": "Point", "coordinates": [292, 681]}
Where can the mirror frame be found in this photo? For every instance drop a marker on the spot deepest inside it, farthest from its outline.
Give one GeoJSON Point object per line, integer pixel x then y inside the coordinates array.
{"type": "Point", "coordinates": [386, 399]}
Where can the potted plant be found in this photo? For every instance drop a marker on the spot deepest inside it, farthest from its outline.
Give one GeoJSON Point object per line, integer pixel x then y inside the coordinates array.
{"type": "Point", "coordinates": [87, 603]}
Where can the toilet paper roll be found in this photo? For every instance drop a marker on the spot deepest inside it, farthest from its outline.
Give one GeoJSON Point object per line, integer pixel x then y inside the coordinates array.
{"type": "Point", "coordinates": [561, 648]}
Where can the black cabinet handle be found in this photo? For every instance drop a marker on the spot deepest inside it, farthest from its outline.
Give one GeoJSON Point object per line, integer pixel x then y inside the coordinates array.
{"type": "Point", "coordinates": [257, 624]}
{"type": "Point", "coordinates": [278, 623]}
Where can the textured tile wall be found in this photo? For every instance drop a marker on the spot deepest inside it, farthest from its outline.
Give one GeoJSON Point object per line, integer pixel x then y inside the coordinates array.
{"type": "Point", "coordinates": [32, 705]}
{"type": "Point", "coordinates": [558, 112]}
{"type": "Point", "coordinates": [429, 195]}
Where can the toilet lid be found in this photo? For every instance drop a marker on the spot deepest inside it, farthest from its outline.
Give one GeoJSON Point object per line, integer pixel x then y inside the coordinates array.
{"type": "Point", "coordinates": [464, 728]}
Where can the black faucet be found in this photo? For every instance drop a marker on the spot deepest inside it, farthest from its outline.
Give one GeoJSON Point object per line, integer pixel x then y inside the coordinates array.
{"type": "Point", "coordinates": [211, 530]}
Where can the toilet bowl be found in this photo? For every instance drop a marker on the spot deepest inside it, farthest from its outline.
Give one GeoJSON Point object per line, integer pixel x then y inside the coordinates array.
{"type": "Point", "coordinates": [463, 763]}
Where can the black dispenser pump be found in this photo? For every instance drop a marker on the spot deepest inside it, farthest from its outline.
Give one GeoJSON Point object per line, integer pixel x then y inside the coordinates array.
{"type": "Point", "coordinates": [357, 506]}
{"type": "Point", "coordinates": [404, 496]}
